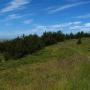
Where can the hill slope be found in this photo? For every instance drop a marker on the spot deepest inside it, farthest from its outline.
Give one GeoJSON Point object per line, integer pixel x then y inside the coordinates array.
{"type": "Point", "coordinates": [64, 66]}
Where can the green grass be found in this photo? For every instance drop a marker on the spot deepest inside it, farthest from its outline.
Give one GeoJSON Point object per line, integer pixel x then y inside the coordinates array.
{"type": "Point", "coordinates": [64, 66]}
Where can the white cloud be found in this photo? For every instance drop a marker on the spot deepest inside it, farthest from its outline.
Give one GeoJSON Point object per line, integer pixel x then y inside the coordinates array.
{"type": "Point", "coordinates": [67, 7]}
{"type": "Point", "coordinates": [15, 4]}
{"type": "Point", "coordinates": [64, 27]}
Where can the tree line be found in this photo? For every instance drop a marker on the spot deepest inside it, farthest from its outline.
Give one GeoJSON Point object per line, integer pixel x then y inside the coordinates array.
{"type": "Point", "coordinates": [24, 45]}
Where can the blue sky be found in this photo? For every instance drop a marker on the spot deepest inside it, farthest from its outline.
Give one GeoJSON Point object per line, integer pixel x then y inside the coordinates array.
{"type": "Point", "coordinates": [19, 17]}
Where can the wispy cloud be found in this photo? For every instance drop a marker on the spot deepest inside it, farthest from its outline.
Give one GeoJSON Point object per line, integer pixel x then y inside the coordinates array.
{"type": "Point", "coordinates": [87, 24]}
{"type": "Point", "coordinates": [13, 16]}
{"type": "Point", "coordinates": [83, 16]}
{"type": "Point", "coordinates": [72, 0]}
{"type": "Point", "coordinates": [61, 8]}
{"type": "Point", "coordinates": [15, 4]}
{"type": "Point", "coordinates": [29, 21]}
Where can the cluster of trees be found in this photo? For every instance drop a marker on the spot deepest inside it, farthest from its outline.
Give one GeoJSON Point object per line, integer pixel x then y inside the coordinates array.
{"type": "Point", "coordinates": [25, 45]}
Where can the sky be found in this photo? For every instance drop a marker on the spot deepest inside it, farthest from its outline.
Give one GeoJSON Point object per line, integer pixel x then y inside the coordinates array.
{"type": "Point", "coordinates": [19, 17]}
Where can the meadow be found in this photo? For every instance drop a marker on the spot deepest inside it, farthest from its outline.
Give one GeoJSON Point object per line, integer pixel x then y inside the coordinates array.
{"type": "Point", "coordinates": [63, 66]}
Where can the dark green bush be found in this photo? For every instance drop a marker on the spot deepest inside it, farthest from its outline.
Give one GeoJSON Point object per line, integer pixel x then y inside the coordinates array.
{"type": "Point", "coordinates": [79, 41]}
{"type": "Point", "coordinates": [25, 45]}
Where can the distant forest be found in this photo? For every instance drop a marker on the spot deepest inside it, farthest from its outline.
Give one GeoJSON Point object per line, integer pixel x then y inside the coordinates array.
{"type": "Point", "coordinates": [24, 45]}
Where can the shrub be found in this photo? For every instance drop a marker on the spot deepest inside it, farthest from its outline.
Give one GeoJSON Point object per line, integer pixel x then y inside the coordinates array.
{"type": "Point", "coordinates": [79, 41]}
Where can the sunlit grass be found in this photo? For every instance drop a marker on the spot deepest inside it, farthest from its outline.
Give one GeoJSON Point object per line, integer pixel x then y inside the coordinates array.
{"type": "Point", "coordinates": [64, 66]}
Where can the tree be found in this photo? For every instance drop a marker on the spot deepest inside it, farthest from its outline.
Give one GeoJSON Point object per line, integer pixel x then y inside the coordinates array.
{"type": "Point", "coordinates": [49, 38]}
{"type": "Point", "coordinates": [24, 45]}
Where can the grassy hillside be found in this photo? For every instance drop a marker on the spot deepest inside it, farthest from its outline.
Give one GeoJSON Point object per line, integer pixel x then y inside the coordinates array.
{"type": "Point", "coordinates": [64, 66]}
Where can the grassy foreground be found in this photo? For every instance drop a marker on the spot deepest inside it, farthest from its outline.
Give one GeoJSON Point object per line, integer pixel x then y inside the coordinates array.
{"type": "Point", "coordinates": [64, 66]}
